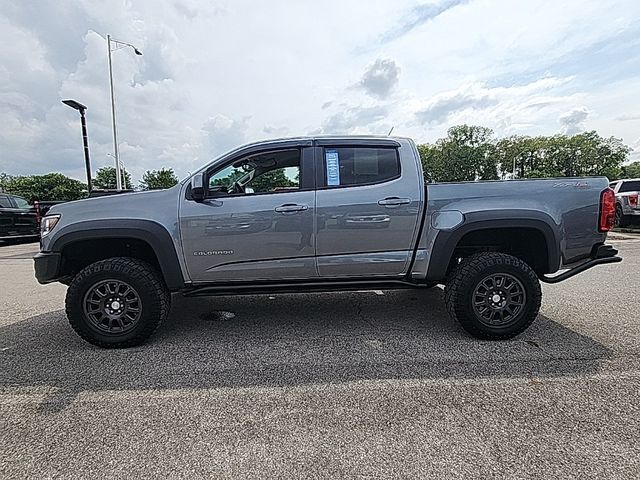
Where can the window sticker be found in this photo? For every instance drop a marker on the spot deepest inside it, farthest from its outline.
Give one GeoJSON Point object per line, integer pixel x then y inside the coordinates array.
{"type": "Point", "coordinates": [333, 167]}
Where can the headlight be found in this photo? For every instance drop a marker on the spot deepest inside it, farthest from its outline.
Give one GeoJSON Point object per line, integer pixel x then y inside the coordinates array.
{"type": "Point", "coordinates": [48, 223]}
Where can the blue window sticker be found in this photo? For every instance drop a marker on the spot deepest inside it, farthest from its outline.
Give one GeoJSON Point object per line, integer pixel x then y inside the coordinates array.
{"type": "Point", "coordinates": [333, 167]}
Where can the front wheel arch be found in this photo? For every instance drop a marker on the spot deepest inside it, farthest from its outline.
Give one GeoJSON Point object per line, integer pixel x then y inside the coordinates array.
{"type": "Point", "coordinates": [94, 233]}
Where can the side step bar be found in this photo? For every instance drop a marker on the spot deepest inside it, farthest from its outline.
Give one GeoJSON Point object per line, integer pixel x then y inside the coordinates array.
{"type": "Point", "coordinates": [298, 287]}
{"type": "Point", "coordinates": [603, 254]}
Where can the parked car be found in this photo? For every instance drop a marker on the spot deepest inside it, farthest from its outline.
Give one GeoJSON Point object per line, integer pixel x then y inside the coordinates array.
{"type": "Point", "coordinates": [18, 219]}
{"type": "Point", "coordinates": [627, 207]}
{"type": "Point", "coordinates": [490, 243]}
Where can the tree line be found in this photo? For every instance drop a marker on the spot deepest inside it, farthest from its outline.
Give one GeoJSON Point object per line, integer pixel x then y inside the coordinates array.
{"type": "Point", "coordinates": [56, 186]}
{"type": "Point", "coordinates": [470, 153]}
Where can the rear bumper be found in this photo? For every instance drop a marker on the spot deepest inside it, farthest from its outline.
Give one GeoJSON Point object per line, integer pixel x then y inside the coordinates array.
{"type": "Point", "coordinates": [47, 266]}
{"type": "Point", "coordinates": [601, 254]}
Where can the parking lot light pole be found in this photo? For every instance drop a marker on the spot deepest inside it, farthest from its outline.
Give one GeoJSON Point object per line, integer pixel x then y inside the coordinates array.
{"type": "Point", "coordinates": [117, 46]}
{"type": "Point", "coordinates": [85, 140]}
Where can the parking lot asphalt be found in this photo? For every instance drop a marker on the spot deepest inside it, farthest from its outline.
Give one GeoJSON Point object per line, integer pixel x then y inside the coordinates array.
{"type": "Point", "coordinates": [371, 384]}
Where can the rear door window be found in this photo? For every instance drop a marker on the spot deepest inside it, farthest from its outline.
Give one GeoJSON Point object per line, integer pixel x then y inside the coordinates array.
{"type": "Point", "coordinates": [629, 186]}
{"type": "Point", "coordinates": [350, 166]}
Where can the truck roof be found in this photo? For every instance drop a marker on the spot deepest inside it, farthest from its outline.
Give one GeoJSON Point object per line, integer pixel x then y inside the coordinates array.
{"type": "Point", "coordinates": [327, 137]}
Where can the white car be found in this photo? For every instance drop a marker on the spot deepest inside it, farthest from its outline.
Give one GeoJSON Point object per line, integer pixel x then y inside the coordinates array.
{"type": "Point", "coordinates": [627, 208]}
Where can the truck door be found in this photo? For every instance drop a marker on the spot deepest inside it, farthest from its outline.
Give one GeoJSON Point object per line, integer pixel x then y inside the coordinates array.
{"type": "Point", "coordinates": [257, 220]}
{"type": "Point", "coordinates": [368, 203]}
{"type": "Point", "coordinates": [6, 216]}
{"type": "Point", "coordinates": [25, 218]}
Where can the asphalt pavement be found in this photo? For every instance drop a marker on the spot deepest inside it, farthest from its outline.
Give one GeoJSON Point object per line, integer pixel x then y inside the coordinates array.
{"type": "Point", "coordinates": [361, 384]}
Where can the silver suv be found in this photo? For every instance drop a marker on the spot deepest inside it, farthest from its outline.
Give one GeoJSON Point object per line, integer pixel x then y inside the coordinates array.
{"type": "Point", "coordinates": [627, 207]}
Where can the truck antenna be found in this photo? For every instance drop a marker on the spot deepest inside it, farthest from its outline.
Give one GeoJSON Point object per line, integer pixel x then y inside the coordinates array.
{"type": "Point", "coordinates": [389, 134]}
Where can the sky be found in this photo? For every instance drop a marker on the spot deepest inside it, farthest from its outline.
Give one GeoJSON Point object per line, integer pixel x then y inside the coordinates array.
{"type": "Point", "coordinates": [217, 74]}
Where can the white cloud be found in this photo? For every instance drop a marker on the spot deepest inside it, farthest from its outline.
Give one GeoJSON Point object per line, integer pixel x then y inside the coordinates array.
{"type": "Point", "coordinates": [573, 121]}
{"type": "Point", "coordinates": [354, 120]}
{"type": "Point", "coordinates": [506, 109]}
{"type": "Point", "coordinates": [417, 16]}
{"type": "Point", "coordinates": [380, 78]}
{"type": "Point", "coordinates": [224, 134]}
{"type": "Point", "coordinates": [628, 117]}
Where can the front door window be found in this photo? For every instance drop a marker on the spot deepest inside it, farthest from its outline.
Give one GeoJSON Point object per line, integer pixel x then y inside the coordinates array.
{"type": "Point", "coordinates": [271, 172]}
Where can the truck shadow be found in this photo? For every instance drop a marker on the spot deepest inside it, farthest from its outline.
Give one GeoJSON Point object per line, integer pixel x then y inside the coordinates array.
{"type": "Point", "coordinates": [287, 340]}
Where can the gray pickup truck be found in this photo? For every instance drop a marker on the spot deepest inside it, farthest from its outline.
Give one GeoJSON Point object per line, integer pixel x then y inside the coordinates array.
{"type": "Point", "coordinates": [323, 214]}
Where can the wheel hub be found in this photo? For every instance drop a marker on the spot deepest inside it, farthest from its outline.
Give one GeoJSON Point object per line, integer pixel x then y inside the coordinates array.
{"type": "Point", "coordinates": [112, 306]}
{"type": "Point", "coordinates": [498, 299]}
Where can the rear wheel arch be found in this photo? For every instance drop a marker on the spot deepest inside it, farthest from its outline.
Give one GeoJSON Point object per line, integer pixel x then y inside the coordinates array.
{"type": "Point", "coordinates": [541, 252]}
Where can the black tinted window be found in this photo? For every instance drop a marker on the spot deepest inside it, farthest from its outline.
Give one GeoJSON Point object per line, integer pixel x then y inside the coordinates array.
{"type": "Point", "coordinates": [4, 202]}
{"type": "Point", "coordinates": [629, 187]}
{"type": "Point", "coordinates": [359, 165]}
{"type": "Point", "coordinates": [21, 202]}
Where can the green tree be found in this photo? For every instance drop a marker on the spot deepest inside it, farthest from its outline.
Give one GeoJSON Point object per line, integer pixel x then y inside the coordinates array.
{"type": "Point", "coordinates": [52, 186]}
{"type": "Point", "coordinates": [5, 180]}
{"type": "Point", "coordinates": [106, 179]}
{"type": "Point", "coordinates": [268, 181]}
{"type": "Point", "coordinates": [526, 156]}
{"type": "Point", "coordinates": [585, 154]}
{"type": "Point", "coordinates": [158, 179]}
{"type": "Point", "coordinates": [631, 171]}
{"type": "Point", "coordinates": [466, 153]}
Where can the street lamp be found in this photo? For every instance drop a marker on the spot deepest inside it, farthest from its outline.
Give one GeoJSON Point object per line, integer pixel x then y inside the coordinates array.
{"type": "Point", "coordinates": [122, 170]}
{"type": "Point", "coordinates": [85, 141]}
{"type": "Point", "coordinates": [118, 45]}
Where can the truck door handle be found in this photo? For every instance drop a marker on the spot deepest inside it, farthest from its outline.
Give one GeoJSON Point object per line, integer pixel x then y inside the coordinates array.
{"type": "Point", "coordinates": [394, 201]}
{"type": "Point", "coordinates": [291, 208]}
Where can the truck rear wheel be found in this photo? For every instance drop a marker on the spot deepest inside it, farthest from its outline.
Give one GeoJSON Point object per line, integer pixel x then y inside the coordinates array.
{"type": "Point", "coordinates": [494, 296]}
{"type": "Point", "coordinates": [118, 302]}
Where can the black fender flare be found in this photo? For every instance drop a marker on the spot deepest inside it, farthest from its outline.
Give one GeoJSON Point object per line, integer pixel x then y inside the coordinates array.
{"type": "Point", "coordinates": [154, 234]}
{"type": "Point", "coordinates": [447, 240]}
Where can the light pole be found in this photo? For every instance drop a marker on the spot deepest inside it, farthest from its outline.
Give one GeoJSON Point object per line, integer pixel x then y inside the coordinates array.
{"type": "Point", "coordinates": [85, 140]}
{"type": "Point", "coordinates": [118, 45]}
{"type": "Point", "coordinates": [123, 170]}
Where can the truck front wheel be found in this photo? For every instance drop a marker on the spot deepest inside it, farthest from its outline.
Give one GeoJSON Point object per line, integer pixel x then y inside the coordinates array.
{"type": "Point", "coordinates": [118, 302]}
{"type": "Point", "coordinates": [494, 296]}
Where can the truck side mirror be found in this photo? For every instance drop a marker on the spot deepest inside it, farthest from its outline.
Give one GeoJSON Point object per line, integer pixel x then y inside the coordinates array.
{"type": "Point", "coordinates": [197, 187]}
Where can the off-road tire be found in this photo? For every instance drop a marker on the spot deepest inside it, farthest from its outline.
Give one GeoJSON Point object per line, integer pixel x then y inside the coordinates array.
{"type": "Point", "coordinates": [154, 295]}
{"type": "Point", "coordinates": [466, 276]}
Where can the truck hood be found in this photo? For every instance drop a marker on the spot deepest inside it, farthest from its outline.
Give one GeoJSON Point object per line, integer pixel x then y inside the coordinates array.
{"type": "Point", "coordinates": [136, 205]}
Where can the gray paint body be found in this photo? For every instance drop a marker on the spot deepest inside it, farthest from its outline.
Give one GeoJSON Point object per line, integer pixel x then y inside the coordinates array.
{"type": "Point", "coordinates": [341, 232]}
